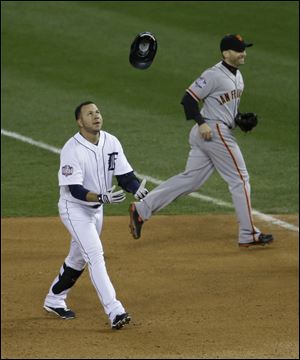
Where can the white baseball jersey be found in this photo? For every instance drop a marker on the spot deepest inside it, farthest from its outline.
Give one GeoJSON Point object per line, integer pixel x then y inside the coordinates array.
{"type": "Point", "coordinates": [220, 91]}
{"type": "Point", "coordinates": [89, 165]}
{"type": "Point", "coordinates": [93, 167]}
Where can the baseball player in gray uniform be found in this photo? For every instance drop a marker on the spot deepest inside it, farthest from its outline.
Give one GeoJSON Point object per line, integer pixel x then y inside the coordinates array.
{"type": "Point", "coordinates": [88, 162]}
{"type": "Point", "coordinates": [213, 145]}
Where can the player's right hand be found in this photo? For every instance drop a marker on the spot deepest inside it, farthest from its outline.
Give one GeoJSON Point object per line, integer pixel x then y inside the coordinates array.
{"type": "Point", "coordinates": [111, 197]}
{"type": "Point", "coordinates": [205, 132]}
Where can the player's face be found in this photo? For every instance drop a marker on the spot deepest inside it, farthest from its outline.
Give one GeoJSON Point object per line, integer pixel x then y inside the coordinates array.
{"type": "Point", "coordinates": [235, 58]}
{"type": "Point", "coordinates": [90, 119]}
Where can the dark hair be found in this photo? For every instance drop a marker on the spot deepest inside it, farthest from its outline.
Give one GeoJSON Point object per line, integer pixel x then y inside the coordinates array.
{"type": "Point", "coordinates": [78, 109]}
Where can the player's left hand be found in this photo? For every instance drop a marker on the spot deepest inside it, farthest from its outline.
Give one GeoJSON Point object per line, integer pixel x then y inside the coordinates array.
{"type": "Point", "coordinates": [111, 196]}
{"type": "Point", "coordinates": [141, 191]}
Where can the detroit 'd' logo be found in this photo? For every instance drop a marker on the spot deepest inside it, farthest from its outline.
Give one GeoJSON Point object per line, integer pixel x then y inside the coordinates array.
{"type": "Point", "coordinates": [67, 170]}
{"type": "Point", "coordinates": [112, 157]}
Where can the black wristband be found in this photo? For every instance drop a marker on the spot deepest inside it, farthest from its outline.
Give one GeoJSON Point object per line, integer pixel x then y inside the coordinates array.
{"type": "Point", "coordinates": [103, 199]}
{"type": "Point", "coordinates": [199, 119]}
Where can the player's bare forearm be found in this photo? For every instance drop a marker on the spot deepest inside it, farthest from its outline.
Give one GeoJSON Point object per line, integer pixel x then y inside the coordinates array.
{"type": "Point", "coordinates": [92, 197]}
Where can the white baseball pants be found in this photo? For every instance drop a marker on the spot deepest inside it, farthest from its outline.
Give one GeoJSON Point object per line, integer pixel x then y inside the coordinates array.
{"type": "Point", "coordinates": [84, 224]}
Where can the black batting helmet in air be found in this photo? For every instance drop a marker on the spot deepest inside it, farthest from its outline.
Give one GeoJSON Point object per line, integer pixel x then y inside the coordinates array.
{"type": "Point", "coordinates": [143, 50]}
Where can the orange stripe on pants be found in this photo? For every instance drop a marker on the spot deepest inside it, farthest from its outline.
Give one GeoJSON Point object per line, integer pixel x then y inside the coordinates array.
{"type": "Point", "coordinates": [241, 176]}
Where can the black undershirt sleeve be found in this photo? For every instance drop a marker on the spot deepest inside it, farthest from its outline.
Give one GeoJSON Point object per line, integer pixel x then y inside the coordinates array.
{"type": "Point", "coordinates": [78, 192]}
{"type": "Point", "coordinates": [128, 182]}
{"type": "Point", "coordinates": [191, 109]}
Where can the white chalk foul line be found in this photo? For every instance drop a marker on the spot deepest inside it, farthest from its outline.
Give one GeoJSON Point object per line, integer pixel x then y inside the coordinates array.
{"type": "Point", "coordinates": [262, 216]}
{"type": "Point", "coordinates": [30, 141]}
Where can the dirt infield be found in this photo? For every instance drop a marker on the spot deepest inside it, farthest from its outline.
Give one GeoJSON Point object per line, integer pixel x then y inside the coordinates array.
{"type": "Point", "coordinates": [191, 291]}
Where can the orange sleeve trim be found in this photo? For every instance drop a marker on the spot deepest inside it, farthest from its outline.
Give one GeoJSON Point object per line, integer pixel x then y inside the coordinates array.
{"type": "Point", "coordinates": [241, 176]}
{"type": "Point", "coordinates": [193, 95]}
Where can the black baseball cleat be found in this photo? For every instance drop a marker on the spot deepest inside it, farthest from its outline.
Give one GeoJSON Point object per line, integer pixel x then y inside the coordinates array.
{"type": "Point", "coordinates": [262, 240]}
{"type": "Point", "coordinates": [136, 222]}
{"type": "Point", "coordinates": [63, 313]}
{"type": "Point", "coordinates": [120, 321]}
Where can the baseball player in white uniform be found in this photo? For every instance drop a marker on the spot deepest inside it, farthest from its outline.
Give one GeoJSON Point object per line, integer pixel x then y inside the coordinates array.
{"type": "Point", "coordinates": [212, 143]}
{"type": "Point", "coordinates": [88, 162]}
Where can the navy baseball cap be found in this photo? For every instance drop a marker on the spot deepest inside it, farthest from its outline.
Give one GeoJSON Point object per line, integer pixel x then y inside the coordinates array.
{"type": "Point", "coordinates": [233, 42]}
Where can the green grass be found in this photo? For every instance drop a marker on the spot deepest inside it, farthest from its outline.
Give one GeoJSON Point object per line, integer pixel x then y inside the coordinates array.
{"type": "Point", "coordinates": [57, 54]}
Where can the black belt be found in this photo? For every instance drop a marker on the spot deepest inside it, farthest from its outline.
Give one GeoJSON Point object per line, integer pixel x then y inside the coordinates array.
{"type": "Point", "coordinates": [229, 127]}
{"type": "Point", "coordinates": [96, 206]}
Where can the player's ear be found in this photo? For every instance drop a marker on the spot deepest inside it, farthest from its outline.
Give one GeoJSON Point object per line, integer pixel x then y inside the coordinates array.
{"type": "Point", "coordinates": [225, 54]}
{"type": "Point", "coordinates": [79, 122]}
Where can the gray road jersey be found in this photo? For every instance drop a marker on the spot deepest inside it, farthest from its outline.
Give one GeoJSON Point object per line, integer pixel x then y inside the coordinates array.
{"type": "Point", "coordinates": [220, 92]}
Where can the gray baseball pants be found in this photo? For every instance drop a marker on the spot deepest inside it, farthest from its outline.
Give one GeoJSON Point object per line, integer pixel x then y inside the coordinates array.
{"type": "Point", "coordinates": [221, 153]}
